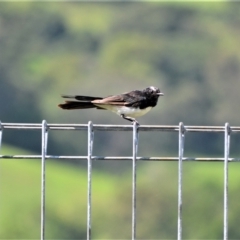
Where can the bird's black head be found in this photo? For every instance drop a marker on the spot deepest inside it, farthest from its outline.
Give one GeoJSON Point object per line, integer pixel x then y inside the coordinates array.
{"type": "Point", "coordinates": [153, 91]}
{"type": "Point", "coordinates": [152, 94]}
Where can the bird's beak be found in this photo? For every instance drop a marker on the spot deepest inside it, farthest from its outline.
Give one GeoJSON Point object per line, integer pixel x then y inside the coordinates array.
{"type": "Point", "coordinates": [161, 94]}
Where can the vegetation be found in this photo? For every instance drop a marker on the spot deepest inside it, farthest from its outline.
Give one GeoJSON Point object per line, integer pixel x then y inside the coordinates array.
{"type": "Point", "coordinates": [190, 50]}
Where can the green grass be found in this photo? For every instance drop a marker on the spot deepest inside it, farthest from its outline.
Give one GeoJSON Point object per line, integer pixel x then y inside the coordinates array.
{"type": "Point", "coordinates": [66, 197]}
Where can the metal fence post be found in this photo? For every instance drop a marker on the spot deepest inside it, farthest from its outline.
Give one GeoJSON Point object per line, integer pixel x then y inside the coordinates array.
{"type": "Point", "coordinates": [227, 132]}
{"type": "Point", "coordinates": [134, 179]}
{"type": "Point", "coordinates": [89, 197]}
{"type": "Point", "coordinates": [180, 156]}
{"type": "Point", "coordinates": [44, 152]}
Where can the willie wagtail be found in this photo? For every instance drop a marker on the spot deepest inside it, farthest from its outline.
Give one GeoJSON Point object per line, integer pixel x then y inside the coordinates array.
{"type": "Point", "coordinates": [128, 105]}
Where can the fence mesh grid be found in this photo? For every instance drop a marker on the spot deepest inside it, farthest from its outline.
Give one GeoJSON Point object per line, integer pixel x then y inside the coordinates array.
{"type": "Point", "coordinates": [91, 128]}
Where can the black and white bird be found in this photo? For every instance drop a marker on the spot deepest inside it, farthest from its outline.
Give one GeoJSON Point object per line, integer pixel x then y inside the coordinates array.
{"type": "Point", "coordinates": [127, 105]}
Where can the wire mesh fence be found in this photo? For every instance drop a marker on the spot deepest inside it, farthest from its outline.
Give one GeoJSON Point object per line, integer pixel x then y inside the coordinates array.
{"type": "Point", "coordinates": [45, 128]}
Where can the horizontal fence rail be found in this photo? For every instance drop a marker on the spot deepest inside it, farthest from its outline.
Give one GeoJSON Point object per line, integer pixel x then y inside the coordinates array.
{"type": "Point", "coordinates": [103, 127]}
{"type": "Point", "coordinates": [100, 127]}
{"type": "Point", "coordinates": [135, 129]}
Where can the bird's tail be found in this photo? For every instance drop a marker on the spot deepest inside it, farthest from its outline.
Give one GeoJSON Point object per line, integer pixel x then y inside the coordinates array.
{"type": "Point", "coordinates": [76, 105]}
{"type": "Point", "coordinates": [83, 102]}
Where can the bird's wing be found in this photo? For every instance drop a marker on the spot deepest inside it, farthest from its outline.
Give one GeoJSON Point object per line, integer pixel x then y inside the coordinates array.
{"type": "Point", "coordinates": [126, 99]}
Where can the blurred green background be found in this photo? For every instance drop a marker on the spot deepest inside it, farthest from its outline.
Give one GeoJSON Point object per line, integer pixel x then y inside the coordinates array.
{"type": "Point", "coordinates": [189, 50]}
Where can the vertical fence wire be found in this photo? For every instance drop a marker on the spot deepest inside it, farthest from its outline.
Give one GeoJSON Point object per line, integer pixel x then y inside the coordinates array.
{"type": "Point", "coordinates": [227, 132]}
{"type": "Point", "coordinates": [180, 156]}
{"type": "Point", "coordinates": [134, 179]}
{"type": "Point", "coordinates": [89, 194]}
{"type": "Point", "coordinates": [44, 152]}
{"type": "Point", "coordinates": [1, 133]}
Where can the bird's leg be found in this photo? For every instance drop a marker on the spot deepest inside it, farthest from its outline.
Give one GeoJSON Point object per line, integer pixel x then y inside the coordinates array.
{"type": "Point", "coordinates": [130, 119]}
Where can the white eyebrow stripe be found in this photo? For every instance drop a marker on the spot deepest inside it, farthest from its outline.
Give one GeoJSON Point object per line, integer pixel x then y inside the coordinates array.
{"type": "Point", "coordinates": [153, 88]}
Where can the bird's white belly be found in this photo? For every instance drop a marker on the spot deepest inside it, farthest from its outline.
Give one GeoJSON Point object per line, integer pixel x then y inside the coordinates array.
{"type": "Point", "coordinates": [128, 112]}
{"type": "Point", "coordinates": [133, 112]}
